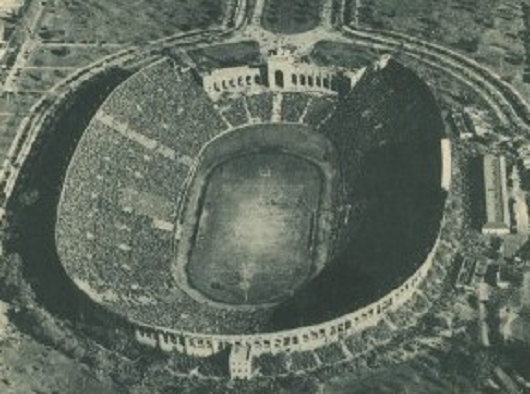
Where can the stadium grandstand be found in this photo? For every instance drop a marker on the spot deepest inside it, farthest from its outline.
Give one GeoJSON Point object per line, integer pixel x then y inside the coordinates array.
{"type": "Point", "coordinates": [172, 149]}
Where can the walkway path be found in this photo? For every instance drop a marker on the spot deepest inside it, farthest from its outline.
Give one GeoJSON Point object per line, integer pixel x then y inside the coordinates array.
{"type": "Point", "coordinates": [24, 54]}
{"type": "Point", "coordinates": [258, 13]}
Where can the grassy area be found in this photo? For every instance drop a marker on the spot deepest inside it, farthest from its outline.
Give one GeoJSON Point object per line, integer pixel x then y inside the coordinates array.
{"type": "Point", "coordinates": [423, 374]}
{"type": "Point", "coordinates": [64, 56]}
{"type": "Point", "coordinates": [288, 17]}
{"type": "Point", "coordinates": [13, 109]}
{"type": "Point", "coordinates": [329, 53]}
{"type": "Point", "coordinates": [41, 79]}
{"type": "Point", "coordinates": [30, 367]}
{"type": "Point", "coordinates": [226, 55]}
{"type": "Point", "coordinates": [7, 130]}
{"type": "Point", "coordinates": [127, 21]}
{"type": "Point", "coordinates": [19, 103]}
{"type": "Point", "coordinates": [264, 200]}
{"type": "Point", "coordinates": [491, 34]}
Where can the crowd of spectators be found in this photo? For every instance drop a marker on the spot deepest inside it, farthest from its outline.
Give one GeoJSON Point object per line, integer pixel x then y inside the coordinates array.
{"type": "Point", "coordinates": [167, 105]}
{"type": "Point", "coordinates": [320, 109]}
{"type": "Point", "coordinates": [260, 106]}
{"type": "Point", "coordinates": [389, 104]}
{"type": "Point", "coordinates": [234, 111]}
{"type": "Point", "coordinates": [294, 105]}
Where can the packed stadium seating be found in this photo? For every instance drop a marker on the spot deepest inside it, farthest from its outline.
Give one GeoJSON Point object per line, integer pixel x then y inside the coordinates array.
{"type": "Point", "coordinates": [168, 106]}
{"type": "Point", "coordinates": [294, 106]}
{"type": "Point", "coordinates": [320, 108]}
{"type": "Point", "coordinates": [234, 111]}
{"type": "Point", "coordinates": [385, 101]}
{"type": "Point", "coordinates": [260, 106]}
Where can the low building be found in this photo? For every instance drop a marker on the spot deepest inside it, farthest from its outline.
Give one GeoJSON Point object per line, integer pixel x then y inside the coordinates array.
{"type": "Point", "coordinates": [496, 196]}
{"type": "Point", "coordinates": [476, 121]}
{"type": "Point", "coordinates": [524, 154]}
{"type": "Point", "coordinates": [525, 292]}
{"type": "Point", "coordinates": [10, 11]}
{"type": "Point", "coordinates": [499, 275]}
{"type": "Point", "coordinates": [460, 127]}
{"type": "Point", "coordinates": [466, 277]}
{"type": "Point", "coordinates": [3, 37]}
{"type": "Point", "coordinates": [446, 163]}
{"type": "Point", "coordinates": [241, 362]}
{"type": "Point", "coordinates": [483, 292]}
{"type": "Point", "coordinates": [520, 206]}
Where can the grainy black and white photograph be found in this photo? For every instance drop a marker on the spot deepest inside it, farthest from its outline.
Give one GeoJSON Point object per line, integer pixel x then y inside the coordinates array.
{"type": "Point", "coordinates": [264, 196]}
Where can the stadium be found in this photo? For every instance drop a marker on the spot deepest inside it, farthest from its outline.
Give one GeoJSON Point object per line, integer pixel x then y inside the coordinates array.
{"type": "Point", "coordinates": [261, 210]}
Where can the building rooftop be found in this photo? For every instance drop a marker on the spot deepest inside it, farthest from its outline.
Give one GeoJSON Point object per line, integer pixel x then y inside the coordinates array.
{"type": "Point", "coordinates": [8, 7]}
{"type": "Point", "coordinates": [495, 189]}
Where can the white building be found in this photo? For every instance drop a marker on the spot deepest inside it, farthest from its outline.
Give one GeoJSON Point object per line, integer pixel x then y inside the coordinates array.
{"type": "Point", "coordinates": [477, 121]}
{"type": "Point", "coordinates": [446, 163]}
{"type": "Point", "coordinates": [462, 127]}
{"type": "Point", "coordinates": [10, 8]}
{"type": "Point", "coordinates": [524, 154]}
{"type": "Point", "coordinates": [285, 72]}
{"type": "Point", "coordinates": [520, 207]}
{"type": "Point", "coordinates": [496, 195]}
{"type": "Point", "coordinates": [282, 72]}
{"type": "Point", "coordinates": [240, 362]}
{"type": "Point", "coordinates": [2, 33]}
{"type": "Point", "coordinates": [234, 80]}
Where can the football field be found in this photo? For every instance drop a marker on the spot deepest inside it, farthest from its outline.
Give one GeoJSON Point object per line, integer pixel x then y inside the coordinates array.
{"type": "Point", "coordinates": [254, 242]}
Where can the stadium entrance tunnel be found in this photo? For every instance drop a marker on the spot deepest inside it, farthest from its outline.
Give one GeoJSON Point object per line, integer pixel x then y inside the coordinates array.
{"type": "Point", "coordinates": [257, 219]}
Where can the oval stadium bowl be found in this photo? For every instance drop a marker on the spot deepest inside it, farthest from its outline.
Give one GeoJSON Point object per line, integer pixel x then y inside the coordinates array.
{"type": "Point", "coordinates": [250, 203]}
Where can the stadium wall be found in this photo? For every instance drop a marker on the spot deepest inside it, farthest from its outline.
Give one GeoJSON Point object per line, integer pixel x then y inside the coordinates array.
{"type": "Point", "coordinates": [300, 339]}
